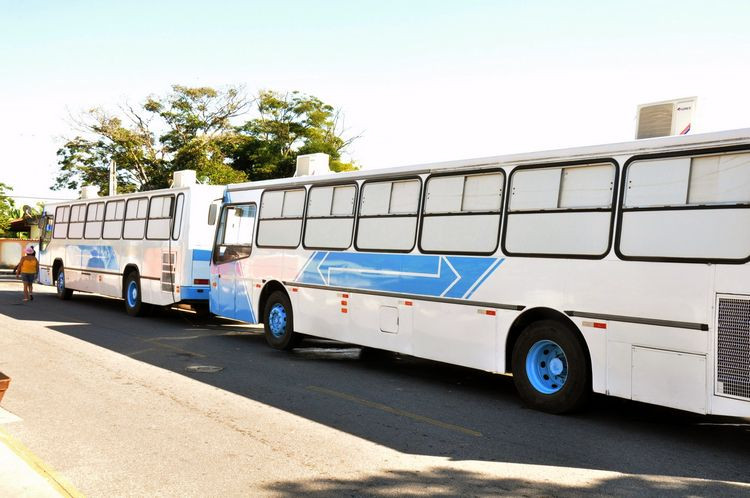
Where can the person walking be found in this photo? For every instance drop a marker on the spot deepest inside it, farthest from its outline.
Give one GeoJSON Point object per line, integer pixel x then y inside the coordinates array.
{"type": "Point", "coordinates": [27, 269]}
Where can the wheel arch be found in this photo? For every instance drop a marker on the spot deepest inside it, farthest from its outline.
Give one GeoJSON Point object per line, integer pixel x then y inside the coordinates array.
{"type": "Point", "coordinates": [56, 265]}
{"type": "Point", "coordinates": [536, 314]}
{"type": "Point", "coordinates": [129, 268]}
{"type": "Point", "coordinates": [269, 288]}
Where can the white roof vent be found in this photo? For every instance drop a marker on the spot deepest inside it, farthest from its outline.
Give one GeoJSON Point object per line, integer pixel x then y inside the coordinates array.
{"type": "Point", "coordinates": [661, 119]}
{"type": "Point", "coordinates": [90, 192]}
{"type": "Point", "coordinates": [184, 178]}
{"type": "Point", "coordinates": [312, 164]}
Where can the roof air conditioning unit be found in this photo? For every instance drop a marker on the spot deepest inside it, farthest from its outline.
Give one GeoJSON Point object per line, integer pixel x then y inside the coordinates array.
{"type": "Point", "coordinates": [89, 192]}
{"type": "Point", "coordinates": [312, 164]}
{"type": "Point", "coordinates": [662, 119]}
{"type": "Point", "coordinates": [184, 178]}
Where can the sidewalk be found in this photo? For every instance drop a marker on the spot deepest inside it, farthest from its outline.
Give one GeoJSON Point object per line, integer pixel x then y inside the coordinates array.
{"type": "Point", "coordinates": [21, 473]}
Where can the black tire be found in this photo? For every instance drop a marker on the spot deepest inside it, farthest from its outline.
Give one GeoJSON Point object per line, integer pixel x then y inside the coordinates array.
{"type": "Point", "coordinates": [134, 305]}
{"type": "Point", "coordinates": [278, 322]}
{"type": "Point", "coordinates": [546, 380]}
{"type": "Point", "coordinates": [62, 292]}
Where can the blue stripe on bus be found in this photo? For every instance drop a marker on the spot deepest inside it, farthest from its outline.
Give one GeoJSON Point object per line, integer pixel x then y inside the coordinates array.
{"type": "Point", "coordinates": [201, 255]}
{"type": "Point", "coordinates": [429, 275]}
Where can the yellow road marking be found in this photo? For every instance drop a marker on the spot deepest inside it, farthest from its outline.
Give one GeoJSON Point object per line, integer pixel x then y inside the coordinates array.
{"type": "Point", "coordinates": [136, 353]}
{"type": "Point", "coordinates": [169, 346]}
{"type": "Point", "coordinates": [61, 485]}
{"type": "Point", "coordinates": [395, 411]}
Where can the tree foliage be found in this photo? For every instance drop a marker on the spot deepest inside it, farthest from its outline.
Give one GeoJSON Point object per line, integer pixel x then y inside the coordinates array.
{"type": "Point", "coordinates": [194, 128]}
{"type": "Point", "coordinates": [8, 211]}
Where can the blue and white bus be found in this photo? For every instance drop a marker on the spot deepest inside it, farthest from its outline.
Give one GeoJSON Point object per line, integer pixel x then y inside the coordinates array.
{"type": "Point", "coordinates": [618, 269]}
{"type": "Point", "coordinates": [149, 248]}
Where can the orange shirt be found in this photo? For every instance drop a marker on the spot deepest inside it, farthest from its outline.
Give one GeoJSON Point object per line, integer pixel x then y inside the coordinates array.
{"type": "Point", "coordinates": [28, 264]}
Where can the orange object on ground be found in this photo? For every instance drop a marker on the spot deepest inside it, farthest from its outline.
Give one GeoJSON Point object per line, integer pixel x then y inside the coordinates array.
{"type": "Point", "coordinates": [4, 383]}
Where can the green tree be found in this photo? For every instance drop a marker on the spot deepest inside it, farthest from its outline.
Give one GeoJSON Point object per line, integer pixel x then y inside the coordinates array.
{"type": "Point", "coordinates": [192, 128]}
{"type": "Point", "coordinates": [8, 211]}
{"type": "Point", "coordinates": [288, 125]}
{"type": "Point", "coordinates": [182, 130]}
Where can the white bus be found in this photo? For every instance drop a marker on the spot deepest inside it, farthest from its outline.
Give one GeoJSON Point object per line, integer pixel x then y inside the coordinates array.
{"type": "Point", "coordinates": [617, 269]}
{"type": "Point", "coordinates": [149, 248]}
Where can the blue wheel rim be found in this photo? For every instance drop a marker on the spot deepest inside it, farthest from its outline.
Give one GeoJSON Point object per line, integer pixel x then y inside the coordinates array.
{"type": "Point", "coordinates": [277, 319]}
{"type": "Point", "coordinates": [132, 294]}
{"type": "Point", "coordinates": [61, 281]}
{"type": "Point", "coordinates": [546, 367]}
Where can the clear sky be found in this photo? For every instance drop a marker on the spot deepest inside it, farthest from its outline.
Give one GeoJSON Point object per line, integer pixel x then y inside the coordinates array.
{"type": "Point", "coordinates": [421, 80]}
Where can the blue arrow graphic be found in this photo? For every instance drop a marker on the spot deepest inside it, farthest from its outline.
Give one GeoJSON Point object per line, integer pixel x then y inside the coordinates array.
{"type": "Point", "coordinates": [446, 276]}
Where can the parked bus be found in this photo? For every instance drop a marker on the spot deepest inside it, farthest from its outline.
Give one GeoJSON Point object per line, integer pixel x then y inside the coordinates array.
{"type": "Point", "coordinates": [617, 269]}
{"type": "Point", "coordinates": [149, 248]}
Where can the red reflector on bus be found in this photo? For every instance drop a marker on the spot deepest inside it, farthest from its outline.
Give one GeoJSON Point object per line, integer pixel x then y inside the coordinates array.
{"type": "Point", "coordinates": [343, 303]}
{"type": "Point", "coordinates": [200, 281]}
{"type": "Point", "coordinates": [490, 312]}
{"type": "Point", "coordinates": [345, 295]}
{"type": "Point", "coordinates": [599, 325]}
{"type": "Point", "coordinates": [344, 310]}
{"type": "Point", "coordinates": [408, 303]}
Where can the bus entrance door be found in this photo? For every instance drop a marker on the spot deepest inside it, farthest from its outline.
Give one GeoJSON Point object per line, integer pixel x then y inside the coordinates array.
{"type": "Point", "coordinates": [222, 291]}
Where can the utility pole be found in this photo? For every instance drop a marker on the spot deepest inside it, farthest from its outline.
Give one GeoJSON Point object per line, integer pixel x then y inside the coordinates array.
{"type": "Point", "coordinates": [112, 178]}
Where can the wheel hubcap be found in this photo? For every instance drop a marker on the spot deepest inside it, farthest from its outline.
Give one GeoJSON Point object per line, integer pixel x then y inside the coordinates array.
{"type": "Point", "coordinates": [546, 367]}
{"type": "Point", "coordinates": [277, 320]}
{"type": "Point", "coordinates": [132, 294]}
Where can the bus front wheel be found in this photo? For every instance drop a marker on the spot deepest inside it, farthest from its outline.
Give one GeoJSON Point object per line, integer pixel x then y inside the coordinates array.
{"type": "Point", "coordinates": [278, 322]}
{"type": "Point", "coordinates": [62, 292]}
{"type": "Point", "coordinates": [134, 304]}
{"type": "Point", "coordinates": [550, 368]}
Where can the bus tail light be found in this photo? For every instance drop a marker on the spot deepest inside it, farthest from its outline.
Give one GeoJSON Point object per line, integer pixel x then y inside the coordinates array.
{"type": "Point", "coordinates": [200, 281]}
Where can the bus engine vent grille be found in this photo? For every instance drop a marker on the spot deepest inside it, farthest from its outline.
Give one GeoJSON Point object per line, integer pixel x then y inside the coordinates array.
{"type": "Point", "coordinates": [167, 271]}
{"type": "Point", "coordinates": [733, 348]}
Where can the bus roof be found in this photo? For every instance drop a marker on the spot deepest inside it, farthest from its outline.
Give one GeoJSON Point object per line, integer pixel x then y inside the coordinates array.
{"type": "Point", "coordinates": [643, 146]}
{"type": "Point", "coordinates": [130, 195]}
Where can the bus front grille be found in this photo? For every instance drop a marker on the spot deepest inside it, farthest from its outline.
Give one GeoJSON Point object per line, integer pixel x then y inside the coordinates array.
{"type": "Point", "coordinates": [733, 347]}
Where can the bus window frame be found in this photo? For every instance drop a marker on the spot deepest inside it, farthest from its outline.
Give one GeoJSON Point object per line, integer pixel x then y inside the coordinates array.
{"type": "Point", "coordinates": [149, 218]}
{"type": "Point", "coordinates": [499, 212]}
{"type": "Point", "coordinates": [685, 207]}
{"type": "Point", "coordinates": [612, 209]}
{"type": "Point", "coordinates": [416, 215]}
{"type": "Point", "coordinates": [303, 187]}
{"type": "Point", "coordinates": [121, 220]}
{"type": "Point", "coordinates": [83, 230]}
{"type": "Point", "coordinates": [86, 223]}
{"type": "Point", "coordinates": [353, 217]}
{"type": "Point", "coordinates": [125, 218]}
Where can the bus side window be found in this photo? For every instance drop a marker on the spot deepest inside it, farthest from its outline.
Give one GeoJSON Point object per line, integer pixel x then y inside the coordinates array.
{"type": "Point", "coordinates": [234, 238]}
{"type": "Point", "coordinates": [61, 222]}
{"type": "Point", "coordinates": [212, 214]}
{"type": "Point", "coordinates": [388, 215]}
{"type": "Point", "coordinates": [177, 223]}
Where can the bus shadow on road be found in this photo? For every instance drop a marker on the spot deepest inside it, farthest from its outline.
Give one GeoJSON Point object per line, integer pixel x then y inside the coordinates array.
{"type": "Point", "coordinates": [443, 481]}
{"type": "Point", "coordinates": [411, 405]}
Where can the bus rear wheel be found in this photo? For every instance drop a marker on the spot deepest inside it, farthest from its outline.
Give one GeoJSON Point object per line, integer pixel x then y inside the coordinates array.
{"type": "Point", "coordinates": [134, 304]}
{"type": "Point", "coordinates": [62, 292]}
{"type": "Point", "coordinates": [550, 368]}
{"type": "Point", "coordinates": [278, 322]}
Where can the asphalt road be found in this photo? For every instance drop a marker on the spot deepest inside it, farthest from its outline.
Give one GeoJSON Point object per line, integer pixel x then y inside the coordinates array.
{"type": "Point", "coordinates": [131, 406]}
